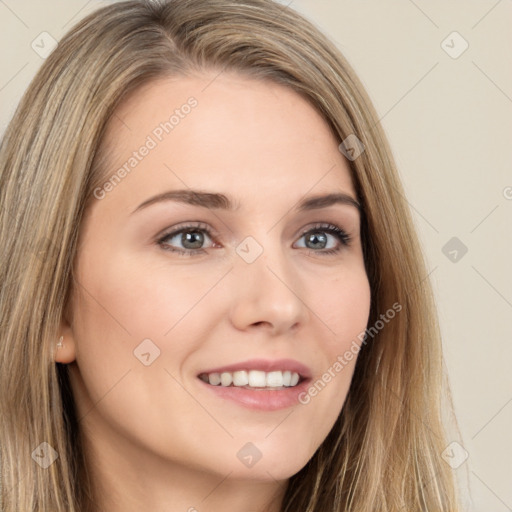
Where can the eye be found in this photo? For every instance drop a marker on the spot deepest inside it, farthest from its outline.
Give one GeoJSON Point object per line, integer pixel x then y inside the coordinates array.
{"type": "Point", "coordinates": [317, 238]}
{"type": "Point", "coordinates": [191, 236]}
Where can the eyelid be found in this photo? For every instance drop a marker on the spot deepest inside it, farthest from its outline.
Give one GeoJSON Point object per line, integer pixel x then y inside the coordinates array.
{"type": "Point", "coordinates": [327, 226]}
{"type": "Point", "coordinates": [198, 225]}
{"type": "Point", "coordinates": [190, 226]}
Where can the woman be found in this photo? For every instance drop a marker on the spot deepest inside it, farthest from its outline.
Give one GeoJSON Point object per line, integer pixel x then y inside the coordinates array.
{"type": "Point", "coordinates": [212, 293]}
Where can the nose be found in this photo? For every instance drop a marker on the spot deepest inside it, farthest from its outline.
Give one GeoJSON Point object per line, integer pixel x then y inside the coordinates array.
{"type": "Point", "coordinates": [267, 294]}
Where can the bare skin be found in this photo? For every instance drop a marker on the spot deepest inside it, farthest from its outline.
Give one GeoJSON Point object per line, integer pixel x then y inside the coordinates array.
{"type": "Point", "coordinates": [155, 437]}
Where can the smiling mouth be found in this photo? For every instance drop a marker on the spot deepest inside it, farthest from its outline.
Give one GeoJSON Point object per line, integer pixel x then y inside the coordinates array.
{"type": "Point", "coordinates": [253, 379]}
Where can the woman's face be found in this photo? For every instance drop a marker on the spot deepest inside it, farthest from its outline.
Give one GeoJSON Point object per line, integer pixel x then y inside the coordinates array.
{"type": "Point", "coordinates": [174, 287]}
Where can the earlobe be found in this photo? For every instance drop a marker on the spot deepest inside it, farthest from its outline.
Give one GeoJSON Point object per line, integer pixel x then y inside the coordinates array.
{"type": "Point", "coordinates": [64, 347]}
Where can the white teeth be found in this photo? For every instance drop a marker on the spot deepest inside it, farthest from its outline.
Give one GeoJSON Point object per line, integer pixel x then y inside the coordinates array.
{"type": "Point", "coordinates": [274, 379]}
{"type": "Point", "coordinates": [240, 378]}
{"type": "Point", "coordinates": [252, 379]}
{"type": "Point", "coordinates": [257, 379]}
{"type": "Point", "coordinates": [214, 379]}
{"type": "Point", "coordinates": [226, 378]}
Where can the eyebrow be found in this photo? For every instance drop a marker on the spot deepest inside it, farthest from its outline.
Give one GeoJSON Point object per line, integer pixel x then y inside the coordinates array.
{"type": "Point", "coordinates": [216, 201]}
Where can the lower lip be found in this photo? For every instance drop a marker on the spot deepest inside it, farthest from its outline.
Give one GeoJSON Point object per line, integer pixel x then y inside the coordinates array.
{"type": "Point", "coordinates": [260, 399]}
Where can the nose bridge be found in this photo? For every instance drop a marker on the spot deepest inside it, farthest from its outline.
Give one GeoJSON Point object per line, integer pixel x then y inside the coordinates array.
{"type": "Point", "coordinates": [267, 286]}
{"type": "Point", "coordinates": [260, 259]}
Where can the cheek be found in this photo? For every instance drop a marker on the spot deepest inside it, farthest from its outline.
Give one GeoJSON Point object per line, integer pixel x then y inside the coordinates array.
{"type": "Point", "coordinates": [119, 306]}
{"type": "Point", "coordinates": [141, 299]}
{"type": "Point", "coordinates": [123, 302]}
{"type": "Point", "coordinates": [344, 308]}
{"type": "Point", "coordinates": [343, 305]}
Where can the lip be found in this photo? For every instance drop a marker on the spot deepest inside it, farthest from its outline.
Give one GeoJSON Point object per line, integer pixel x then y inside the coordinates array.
{"type": "Point", "coordinates": [265, 365]}
{"type": "Point", "coordinates": [261, 399]}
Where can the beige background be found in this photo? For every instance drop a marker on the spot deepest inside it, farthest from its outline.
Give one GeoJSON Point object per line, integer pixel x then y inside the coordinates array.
{"type": "Point", "coordinates": [449, 121]}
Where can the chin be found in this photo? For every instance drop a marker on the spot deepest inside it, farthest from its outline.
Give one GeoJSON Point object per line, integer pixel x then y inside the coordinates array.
{"type": "Point", "coordinates": [270, 467]}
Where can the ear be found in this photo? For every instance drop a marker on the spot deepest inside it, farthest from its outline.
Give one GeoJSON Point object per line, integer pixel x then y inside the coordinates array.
{"type": "Point", "coordinates": [67, 352]}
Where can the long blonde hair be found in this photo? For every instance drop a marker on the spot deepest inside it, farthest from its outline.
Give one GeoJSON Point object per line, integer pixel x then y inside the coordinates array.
{"type": "Point", "coordinates": [384, 451]}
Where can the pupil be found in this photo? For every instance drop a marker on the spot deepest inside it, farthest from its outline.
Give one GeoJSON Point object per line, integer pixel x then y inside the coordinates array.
{"type": "Point", "coordinates": [189, 238]}
{"type": "Point", "coordinates": [315, 238]}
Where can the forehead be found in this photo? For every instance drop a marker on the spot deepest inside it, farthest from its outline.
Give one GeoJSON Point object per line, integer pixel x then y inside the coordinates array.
{"type": "Point", "coordinates": [223, 131]}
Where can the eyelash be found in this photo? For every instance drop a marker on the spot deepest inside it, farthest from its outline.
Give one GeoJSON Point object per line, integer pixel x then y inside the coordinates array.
{"type": "Point", "coordinates": [340, 234]}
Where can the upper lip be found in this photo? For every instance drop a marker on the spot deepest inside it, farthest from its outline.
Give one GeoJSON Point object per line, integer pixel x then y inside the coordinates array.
{"type": "Point", "coordinates": [266, 365]}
